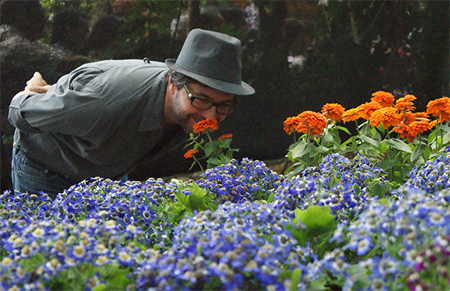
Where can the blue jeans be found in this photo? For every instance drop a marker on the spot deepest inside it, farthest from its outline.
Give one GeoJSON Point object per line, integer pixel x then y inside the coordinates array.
{"type": "Point", "coordinates": [29, 176]}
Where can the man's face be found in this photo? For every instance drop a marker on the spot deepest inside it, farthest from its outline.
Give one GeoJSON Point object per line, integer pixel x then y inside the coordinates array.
{"type": "Point", "coordinates": [187, 115]}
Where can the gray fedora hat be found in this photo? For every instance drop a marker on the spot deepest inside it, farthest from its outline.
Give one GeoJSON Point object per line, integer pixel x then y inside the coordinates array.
{"type": "Point", "coordinates": [213, 59]}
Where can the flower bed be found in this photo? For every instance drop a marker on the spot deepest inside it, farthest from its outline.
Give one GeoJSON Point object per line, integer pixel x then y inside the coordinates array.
{"type": "Point", "coordinates": [339, 222]}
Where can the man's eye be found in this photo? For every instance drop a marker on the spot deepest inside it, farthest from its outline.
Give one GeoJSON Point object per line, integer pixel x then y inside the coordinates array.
{"type": "Point", "coordinates": [202, 101]}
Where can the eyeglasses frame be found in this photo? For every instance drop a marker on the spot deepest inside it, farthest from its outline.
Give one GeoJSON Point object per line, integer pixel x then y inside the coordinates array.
{"type": "Point", "coordinates": [191, 97]}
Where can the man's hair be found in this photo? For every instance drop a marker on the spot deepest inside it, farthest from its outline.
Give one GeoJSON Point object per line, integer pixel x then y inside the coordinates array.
{"type": "Point", "coordinates": [178, 79]}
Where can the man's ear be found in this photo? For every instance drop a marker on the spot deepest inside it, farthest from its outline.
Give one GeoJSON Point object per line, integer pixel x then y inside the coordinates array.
{"type": "Point", "coordinates": [171, 87]}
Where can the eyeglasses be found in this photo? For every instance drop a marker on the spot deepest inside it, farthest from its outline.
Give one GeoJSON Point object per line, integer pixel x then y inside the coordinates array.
{"type": "Point", "coordinates": [205, 104]}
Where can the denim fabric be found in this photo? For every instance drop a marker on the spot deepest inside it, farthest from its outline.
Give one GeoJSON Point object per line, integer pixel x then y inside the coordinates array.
{"type": "Point", "coordinates": [29, 176]}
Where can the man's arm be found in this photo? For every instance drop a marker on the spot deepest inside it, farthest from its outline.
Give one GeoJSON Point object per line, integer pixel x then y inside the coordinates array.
{"type": "Point", "coordinates": [59, 108]}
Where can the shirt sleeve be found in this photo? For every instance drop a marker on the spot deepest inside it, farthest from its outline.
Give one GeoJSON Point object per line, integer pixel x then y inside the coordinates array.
{"type": "Point", "coordinates": [71, 106]}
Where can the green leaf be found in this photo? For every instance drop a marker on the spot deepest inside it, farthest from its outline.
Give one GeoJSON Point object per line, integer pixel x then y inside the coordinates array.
{"type": "Point", "coordinates": [224, 159]}
{"type": "Point", "coordinates": [399, 145]}
{"type": "Point", "coordinates": [446, 138]}
{"type": "Point", "coordinates": [210, 147]}
{"type": "Point", "coordinates": [270, 199]}
{"type": "Point", "coordinates": [317, 219]}
{"type": "Point", "coordinates": [377, 188]}
{"type": "Point", "coordinates": [182, 198]}
{"type": "Point", "coordinates": [300, 150]}
{"type": "Point", "coordinates": [212, 162]}
{"type": "Point", "coordinates": [100, 287]}
{"type": "Point", "coordinates": [322, 149]}
{"type": "Point", "coordinates": [417, 152]}
{"type": "Point", "coordinates": [432, 136]}
{"type": "Point", "coordinates": [328, 137]}
{"type": "Point", "coordinates": [443, 127]}
{"type": "Point", "coordinates": [343, 129]}
{"type": "Point", "coordinates": [387, 165]}
{"type": "Point", "coordinates": [319, 285]}
{"type": "Point", "coordinates": [226, 142]}
{"type": "Point", "coordinates": [195, 201]}
{"type": "Point", "coordinates": [384, 201]}
{"type": "Point", "coordinates": [295, 279]}
{"type": "Point", "coordinates": [369, 140]}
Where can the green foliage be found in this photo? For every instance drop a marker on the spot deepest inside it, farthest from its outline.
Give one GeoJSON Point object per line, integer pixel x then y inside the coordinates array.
{"type": "Point", "coordinates": [308, 151]}
{"type": "Point", "coordinates": [317, 220]}
{"type": "Point", "coordinates": [117, 277]}
{"type": "Point", "coordinates": [216, 152]}
{"type": "Point", "coordinates": [197, 200]}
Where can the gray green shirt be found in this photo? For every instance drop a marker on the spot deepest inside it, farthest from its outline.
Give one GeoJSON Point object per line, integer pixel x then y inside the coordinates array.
{"type": "Point", "coordinates": [99, 120]}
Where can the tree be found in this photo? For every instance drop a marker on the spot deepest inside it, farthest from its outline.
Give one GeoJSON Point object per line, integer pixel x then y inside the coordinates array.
{"type": "Point", "coordinates": [194, 14]}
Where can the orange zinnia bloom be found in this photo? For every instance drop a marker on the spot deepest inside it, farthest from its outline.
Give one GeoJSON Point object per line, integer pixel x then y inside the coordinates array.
{"type": "Point", "coordinates": [189, 153]}
{"type": "Point", "coordinates": [440, 108]}
{"type": "Point", "coordinates": [385, 99]}
{"type": "Point", "coordinates": [333, 111]}
{"type": "Point", "coordinates": [410, 131]}
{"type": "Point", "coordinates": [311, 123]}
{"type": "Point", "coordinates": [420, 115]}
{"type": "Point", "coordinates": [386, 115]}
{"type": "Point", "coordinates": [402, 129]}
{"type": "Point", "coordinates": [351, 114]}
{"type": "Point", "coordinates": [405, 103]}
{"type": "Point", "coordinates": [408, 117]}
{"type": "Point", "coordinates": [290, 124]}
{"type": "Point", "coordinates": [432, 124]}
{"type": "Point", "coordinates": [205, 124]}
{"type": "Point", "coordinates": [366, 109]}
{"type": "Point", "coordinates": [226, 136]}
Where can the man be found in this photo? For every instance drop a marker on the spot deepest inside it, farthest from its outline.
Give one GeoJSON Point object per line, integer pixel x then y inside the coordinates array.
{"type": "Point", "coordinates": [105, 117]}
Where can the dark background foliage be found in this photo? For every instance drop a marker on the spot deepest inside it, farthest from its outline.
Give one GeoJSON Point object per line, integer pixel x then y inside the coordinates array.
{"type": "Point", "coordinates": [347, 50]}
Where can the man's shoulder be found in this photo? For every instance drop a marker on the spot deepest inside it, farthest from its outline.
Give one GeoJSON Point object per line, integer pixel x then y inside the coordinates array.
{"type": "Point", "coordinates": [118, 72]}
{"type": "Point", "coordinates": [108, 64]}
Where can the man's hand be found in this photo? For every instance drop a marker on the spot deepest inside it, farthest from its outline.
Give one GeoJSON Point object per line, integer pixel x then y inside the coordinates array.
{"type": "Point", "coordinates": [37, 84]}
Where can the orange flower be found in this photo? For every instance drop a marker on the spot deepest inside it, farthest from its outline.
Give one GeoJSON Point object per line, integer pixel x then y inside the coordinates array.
{"type": "Point", "coordinates": [226, 136]}
{"type": "Point", "coordinates": [405, 103]}
{"type": "Point", "coordinates": [408, 117]}
{"type": "Point", "coordinates": [333, 111]}
{"type": "Point", "coordinates": [440, 108]}
{"type": "Point", "coordinates": [432, 124]}
{"type": "Point", "coordinates": [410, 131]}
{"type": "Point", "coordinates": [290, 124]}
{"type": "Point", "coordinates": [351, 114]}
{"type": "Point", "coordinates": [189, 153]}
{"type": "Point", "coordinates": [386, 115]}
{"type": "Point", "coordinates": [422, 115]}
{"type": "Point", "coordinates": [205, 124]}
{"type": "Point", "coordinates": [311, 123]}
{"type": "Point", "coordinates": [385, 99]}
{"type": "Point", "coordinates": [366, 109]}
{"type": "Point", "coordinates": [402, 129]}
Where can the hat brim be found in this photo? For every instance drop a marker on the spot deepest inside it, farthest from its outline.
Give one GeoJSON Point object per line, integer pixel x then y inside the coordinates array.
{"type": "Point", "coordinates": [231, 88]}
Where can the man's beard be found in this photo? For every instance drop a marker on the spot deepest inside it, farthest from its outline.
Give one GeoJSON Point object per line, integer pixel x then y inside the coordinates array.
{"type": "Point", "coordinates": [181, 118]}
{"type": "Point", "coordinates": [183, 121]}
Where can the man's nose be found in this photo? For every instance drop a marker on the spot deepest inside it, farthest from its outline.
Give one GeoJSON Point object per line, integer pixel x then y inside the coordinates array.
{"type": "Point", "coordinates": [211, 113]}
